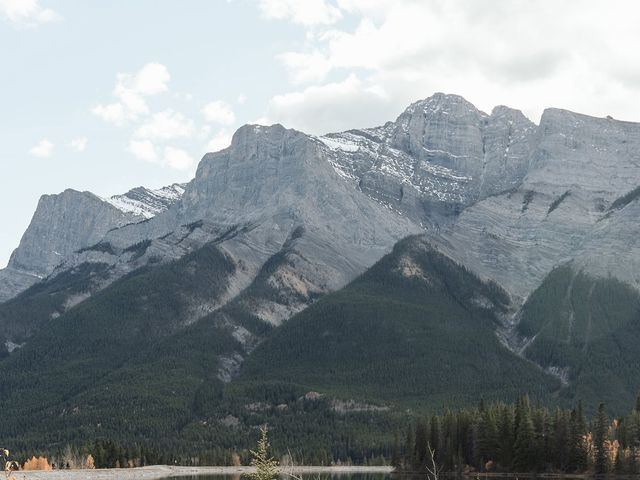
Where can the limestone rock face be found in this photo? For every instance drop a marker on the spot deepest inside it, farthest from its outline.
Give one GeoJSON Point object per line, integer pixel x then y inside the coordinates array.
{"type": "Point", "coordinates": [61, 224]}
{"type": "Point", "coordinates": [440, 156]}
{"type": "Point", "coordinates": [508, 142]}
{"type": "Point", "coordinates": [67, 222]}
{"type": "Point", "coordinates": [443, 130]}
{"type": "Point", "coordinates": [272, 188]}
{"type": "Point", "coordinates": [562, 210]}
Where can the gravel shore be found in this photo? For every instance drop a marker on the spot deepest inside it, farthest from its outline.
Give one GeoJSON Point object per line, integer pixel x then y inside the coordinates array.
{"type": "Point", "coordinates": [158, 472]}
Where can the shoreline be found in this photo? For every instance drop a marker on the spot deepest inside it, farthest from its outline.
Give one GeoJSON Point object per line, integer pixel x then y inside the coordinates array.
{"type": "Point", "coordinates": [157, 472]}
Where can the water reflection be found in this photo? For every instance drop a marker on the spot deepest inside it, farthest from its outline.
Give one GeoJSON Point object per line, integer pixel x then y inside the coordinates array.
{"type": "Point", "coordinates": [307, 476]}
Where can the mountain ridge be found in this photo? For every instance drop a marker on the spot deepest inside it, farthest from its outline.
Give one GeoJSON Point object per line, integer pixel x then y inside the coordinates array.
{"type": "Point", "coordinates": [288, 220]}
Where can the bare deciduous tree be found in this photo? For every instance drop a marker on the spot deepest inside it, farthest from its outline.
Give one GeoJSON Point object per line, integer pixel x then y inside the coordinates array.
{"type": "Point", "coordinates": [433, 470]}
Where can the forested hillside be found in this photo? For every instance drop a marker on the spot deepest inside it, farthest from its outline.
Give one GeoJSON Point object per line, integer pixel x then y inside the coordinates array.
{"type": "Point", "coordinates": [587, 330]}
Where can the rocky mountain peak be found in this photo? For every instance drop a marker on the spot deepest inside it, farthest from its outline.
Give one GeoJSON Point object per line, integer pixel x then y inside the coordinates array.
{"type": "Point", "coordinates": [443, 130]}
{"type": "Point", "coordinates": [443, 103]}
{"type": "Point", "coordinates": [510, 114]}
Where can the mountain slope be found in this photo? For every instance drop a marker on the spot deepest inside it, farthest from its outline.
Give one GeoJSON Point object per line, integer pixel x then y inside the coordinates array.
{"type": "Point", "coordinates": [415, 328]}
{"type": "Point", "coordinates": [586, 330]}
{"type": "Point", "coordinates": [100, 336]}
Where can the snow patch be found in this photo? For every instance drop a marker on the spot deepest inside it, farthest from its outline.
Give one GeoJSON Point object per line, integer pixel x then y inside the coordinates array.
{"type": "Point", "coordinates": [339, 144]}
{"type": "Point", "coordinates": [147, 203]}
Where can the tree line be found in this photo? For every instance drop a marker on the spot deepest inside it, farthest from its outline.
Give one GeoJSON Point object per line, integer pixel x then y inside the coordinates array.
{"type": "Point", "coordinates": [522, 437]}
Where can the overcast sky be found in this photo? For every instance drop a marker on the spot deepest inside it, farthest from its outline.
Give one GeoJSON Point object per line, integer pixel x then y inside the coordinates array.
{"type": "Point", "coordinates": [108, 95]}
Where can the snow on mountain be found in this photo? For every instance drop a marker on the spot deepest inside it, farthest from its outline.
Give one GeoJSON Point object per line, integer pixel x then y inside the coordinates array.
{"type": "Point", "coordinates": [145, 202]}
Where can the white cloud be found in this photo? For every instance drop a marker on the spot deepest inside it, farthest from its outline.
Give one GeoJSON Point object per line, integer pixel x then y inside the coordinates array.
{"type": "Point", "coordinates": [519, 53]}
{"type": "Point", "coordinates": [43, 149]}
{"type": "Point", "coordinates": [331, 107]}
{"type": "Point", "coordinates": [150, 79]}
{"type": "Point", "coordinates": [221, 140]}
{"type": "Point", "coordinates": [219, 112]}
{"type": "Point", "coordinates": [113, 113]}
{"type": "Point", "coordinates": [306, 67]}
{"type": "Point", "coordinates": [242, 98]}
{"type": "Point", "coordinates": [79, 144]}
{"type": "Point", "coordinates": [307, 12]}
{"type": "Point", "coordinates": [177, 158]}
{"type": "Point", "coordinates": [143, 150]}
{"type": "Point", "coordinates": [130, 92]}
{"type": "Point", "coordinates": [166, 125]}
{"type": "Point", "coordinates": [172, 157]}
{"type": "Point", "coordinates": [28, 13]}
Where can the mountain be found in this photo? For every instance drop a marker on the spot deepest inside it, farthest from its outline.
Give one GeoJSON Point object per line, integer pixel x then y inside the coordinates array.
{"type": "Point", "coordinates": [415, 329]}
{"type": "Point", "coordinates": [441, 155]}
{"type": "Point", "coordinates": [566, 207]}
{"type": "Point", "coordinates": [71, 220]}
{"type": "Point", "coordinates": [125, 362]}
{"type": "Point", "coordinates": [436, 259]}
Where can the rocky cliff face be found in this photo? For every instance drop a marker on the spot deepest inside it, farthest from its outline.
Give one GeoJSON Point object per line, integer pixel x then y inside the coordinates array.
{"type": "Point", "coordinates": [61, 224]}
{"type": "Point", "coordinates": [272, 193]}
{"type": "Point", "coordinates": [562, 210]}
{"type": "Point", "coordinates": [65, 223]}
{"type": "Point", "coordinates": [441, 155]}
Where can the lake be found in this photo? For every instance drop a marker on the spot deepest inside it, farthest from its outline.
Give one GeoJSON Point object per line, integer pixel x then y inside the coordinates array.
{"type": "Point", "coordinates": [309, 476]}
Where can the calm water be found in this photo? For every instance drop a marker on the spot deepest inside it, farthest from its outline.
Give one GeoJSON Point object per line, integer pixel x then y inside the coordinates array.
{"type": "Point", "coordinates": [387, 476]}
{"type": "Point", "coordinates": [311, 476]}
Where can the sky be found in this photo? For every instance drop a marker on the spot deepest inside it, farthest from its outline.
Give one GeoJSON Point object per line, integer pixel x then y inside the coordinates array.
{"type": "Point", "coordinates": [108, 95]}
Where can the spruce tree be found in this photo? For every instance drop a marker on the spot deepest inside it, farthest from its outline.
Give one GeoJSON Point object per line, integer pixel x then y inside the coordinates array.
{"type": "Point", "coordinates": [524, 448]}
{"type": "Point", "coordinates": [577, 461]}
{"type": "Point", "coordinates": [506, 436]}
{"type": "Point", "coordinates": [561, 440]}
{"type": "Point", "coordinates": [409, 446]}
{"type": "Point", "coordinates": [266, 466]}
{"type": "Point", "coordinates": [420, 449]}
{"type": "Point", "coordinates": [396, 458]}
{"type": "Point", "coordinates": [619, 466]}
{"type": "Point", "coordinates": [599, 438]}
{"type": "Point", "coordinates": [487, 437]}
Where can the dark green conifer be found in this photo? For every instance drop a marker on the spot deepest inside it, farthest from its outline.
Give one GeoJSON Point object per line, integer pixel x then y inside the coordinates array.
{"type": "Point", "coordinates": [599, 438]}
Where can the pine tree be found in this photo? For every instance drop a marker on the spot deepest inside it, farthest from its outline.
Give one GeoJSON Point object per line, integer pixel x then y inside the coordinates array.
{"type": "Point", "coordinates": [577, 461]}
{"type": "Point", "coordinates": [408, 450]}
{"type": "Point", "coordinates": [561, 440]}
{"type": "Point", "coordinates": [632, 463]}
{"type": "Point", "coordinates": [487, 437]}
{"type": "Point", "coordinates": [266, 466]}
{"type": "Point", "coordinates": [599, 438]}
{"type": "Point", "coordinates": [619, 466]}
{"type": "Point", "coordinates": [396, 458]}
{"type": "Point", "coordinates": [524, 448]}
{"type": "Point", "coordinates": [420, 449]}
{"type": "Point", "coordinates": [507, 439]}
